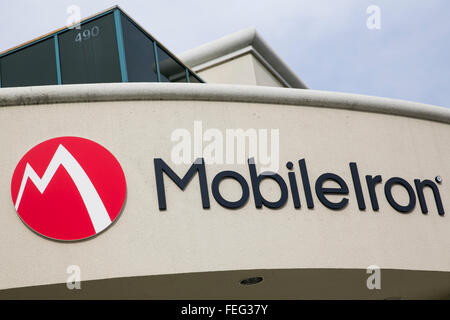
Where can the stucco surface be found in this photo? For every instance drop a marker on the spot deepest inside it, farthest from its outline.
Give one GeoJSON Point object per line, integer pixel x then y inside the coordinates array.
{"type": "Point", "coordinates": [186, 238]}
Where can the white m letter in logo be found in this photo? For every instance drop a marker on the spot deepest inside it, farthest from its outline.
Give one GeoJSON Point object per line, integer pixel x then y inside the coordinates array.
{"type": "Point", "coordinates": [94, 205]}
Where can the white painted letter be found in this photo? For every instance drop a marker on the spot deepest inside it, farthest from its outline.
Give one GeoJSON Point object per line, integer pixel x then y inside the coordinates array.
{"type": "Point", "coordinates": [374, 280]}
{"type": "Point", "coordinates": [181, 152]}
{"type": "Point", "coordinates": [374, 20]}
{"type": "Point", "coordinates": [74, 280]}
{"type": "Point", "coordinates": [73, 21]}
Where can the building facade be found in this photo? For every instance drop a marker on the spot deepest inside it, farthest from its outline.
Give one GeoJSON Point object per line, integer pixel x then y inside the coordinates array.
{"type": "Point", "coordinates": [357, 183]}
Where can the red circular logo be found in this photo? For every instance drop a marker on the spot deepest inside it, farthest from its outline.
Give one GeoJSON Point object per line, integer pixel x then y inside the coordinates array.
{"type": "Point", "coordinates": [68, 188]}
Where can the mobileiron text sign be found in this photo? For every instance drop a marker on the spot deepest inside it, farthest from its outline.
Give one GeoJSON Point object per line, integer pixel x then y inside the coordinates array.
{"type": "Point", "coordinates": [291, 186]}
{"type": "Point", "coordinates": [71, 188]}
{"type": "Point", "coordinates": [68, 188]}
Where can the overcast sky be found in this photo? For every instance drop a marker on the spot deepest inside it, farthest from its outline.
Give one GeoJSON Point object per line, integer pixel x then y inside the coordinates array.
{"type": "Point", "coordinates": [326, 42]}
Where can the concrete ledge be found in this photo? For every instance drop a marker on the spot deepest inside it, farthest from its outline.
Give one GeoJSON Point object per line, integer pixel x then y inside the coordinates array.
{"type": "Point", "coordinates": [235, 42]}
{"type": "Point", "coordinates": [214, 92]}
{"type": "Point", "coordinates": [277, 284]}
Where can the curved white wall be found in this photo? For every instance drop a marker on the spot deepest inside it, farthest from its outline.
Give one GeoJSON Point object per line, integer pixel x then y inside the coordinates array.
{"type": "Point", "coordinates": [135, 122]}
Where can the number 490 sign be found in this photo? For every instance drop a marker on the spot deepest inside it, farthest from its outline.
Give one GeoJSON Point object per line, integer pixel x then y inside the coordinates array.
{"type": "Point", "coordinates": [87, 34]}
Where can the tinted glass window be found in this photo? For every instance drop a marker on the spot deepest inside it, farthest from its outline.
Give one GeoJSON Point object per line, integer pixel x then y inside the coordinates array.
{"type": "Point", "coordinates": [33, 65]}
{"type": "Point", "coordinates": [90, 54]}
{"type": "Point", "coordinates": [139, 53]}
{"type": "Point", "coordinates": [169, 68]}
{"type": "Point", "coordinates": [193, 78]}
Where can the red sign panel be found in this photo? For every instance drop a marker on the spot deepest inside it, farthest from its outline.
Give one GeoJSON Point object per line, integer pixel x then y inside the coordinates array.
{"type": "Point", "coordinates": [68, 188]}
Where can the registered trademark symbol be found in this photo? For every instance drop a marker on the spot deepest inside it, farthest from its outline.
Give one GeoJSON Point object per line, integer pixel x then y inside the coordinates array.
{"type": "Point", "coordinates": [438, 179]}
